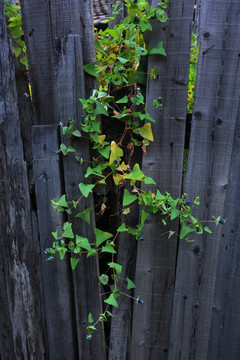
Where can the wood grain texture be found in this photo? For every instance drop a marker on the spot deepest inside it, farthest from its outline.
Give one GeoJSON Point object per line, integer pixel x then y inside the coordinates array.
{"type": "Point", "coordinates": [211, 146]}
{"type": "Point", "coordinates": [156, 257]}
{"type": "Point", "coordinates": [224, 335]}
{"type": "Point", "coordinates": [21, 327]}
{"type": "Point", "coordinates": [45, 24]}
{"type": "Point", "coordinates": [56, 277]}
{"type": "Point", "coordinates": [71, 87]}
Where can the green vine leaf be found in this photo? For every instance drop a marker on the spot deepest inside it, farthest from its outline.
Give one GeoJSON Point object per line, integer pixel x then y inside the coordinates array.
{"type": "Point", "coordinates": [185, 230]}
{"type": "Point", "coordinates": [77, 133]}
{"type": "Point", "coordinates": [158, 50]}
{"type": "Point", "coordinates": [105, 152]}
{"type": "Point", "coordinates": [62, 253]}
{"type": "Point", "coordinates": [104, 279]}
{"type": "Point", "coordinates": [135, 174]}
{"type": "Point", "coordinates": [100, 109]}
{"type": "Point", "coordinates": [144, 216]}
{"type": "Point", "coordinates": [85, 189]}
{"type": "Point", "coordinates": [83, 243]}
{"type": "Point", "coordinates": [108, 248]}
{"type": "Point", "coordinates": [122, 60]}
{"type": "Point", "coordinates": [110, 314]}
{"type": "Point", "coordinates": [175, 213]}
{"type": "Point", "coordinates": [65, 150]}
{"type": "Point", "coordinates": [116, 267]}
{"type": "Point", "coordinates": [91, 329]}
{"type": "Point", "coordinates": [149, 181]}
{"type": "Point", "coordinates": [85, 215]}
{"type": "Point", "coordinates": [122, 228]}
{"type": "Point", "coordinates": [123, 100]}
{"type": "Point", "coordinates": [111, 301]}
{"type": "Point", "coordinates": [161, 15]}
{"type": "Point", "coordinates": [128, 198]}
{"type": "Point", "coordinates": [67, 227]}
{"type": "Point", "coordinates": [74, 263]}
{"type": "Point", "coordinates": [62, 201]}
{"type": "Point", "coordinates": [130, 284]}
{"type": "Point", "coordinates": [102, 317]}
{"type": "Point", "coordinates": [208, 230]}
{"type": "Point", "coordinates": [171, 233]}
{"type": "Point", "coordinates": [92, 68]}
{"type": "Point", "coordinates": [90, 318]}
{"type": "Point", "coordinates": [101, 236]}
{"type": "Point", "coordinates": [55, 234]}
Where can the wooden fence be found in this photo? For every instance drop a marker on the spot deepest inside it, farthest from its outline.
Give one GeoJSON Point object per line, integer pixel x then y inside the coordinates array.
{"type": "Point", "coordinates": [191, 308]}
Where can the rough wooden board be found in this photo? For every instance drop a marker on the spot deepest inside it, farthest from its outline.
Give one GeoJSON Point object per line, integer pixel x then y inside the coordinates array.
{"type": "Point", "coordinates": [71, 87]}
{"type": "Point", "coordinates": [225, 326]}
{"type": "Point", "coordinates": [155, 271]}
{"type": "Point", "coordinates": [58, 306]}
{"type": "Point", "coordinates": [213, 127]}
{"type": "Point", "coordinates": [45, 24]}
{"type": "Point", "coordinates": [21, 327]}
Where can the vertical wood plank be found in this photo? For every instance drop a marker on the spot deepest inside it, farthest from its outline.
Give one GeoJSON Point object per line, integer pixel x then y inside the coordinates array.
{"type": "Point", "coordinates": [71, 87]}
{"type": "Point", "coordinates": [155, 270]}
{"type": "Point", "coordinates": [225, 326]}
{"type": "Point", "coordinates": [45, 24]}
{"type": "Point", "coordinates": [21, 327]}
{"type": "Point", "coordinates": [58, 304]}
{"type": "Point", "coordinates": [213, 128]}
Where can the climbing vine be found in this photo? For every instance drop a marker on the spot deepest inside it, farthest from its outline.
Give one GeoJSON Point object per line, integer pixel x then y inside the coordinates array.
{"type": "Point", "coordinates": [119, 97]}
{"type": "Point", "coordinates": [15, 29]}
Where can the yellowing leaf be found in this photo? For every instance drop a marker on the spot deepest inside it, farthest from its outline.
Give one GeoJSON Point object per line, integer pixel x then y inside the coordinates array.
{"type": "Point", "coordinates": [117, 178]}
{"type": "Point", "coordinates": [123, 166]}
{"type": "Point", "coordinates": [145, 131]}
{"type": "Point", "coordinates": [101, 138]}
{"type": "Point", "coordinates": [116, 153]}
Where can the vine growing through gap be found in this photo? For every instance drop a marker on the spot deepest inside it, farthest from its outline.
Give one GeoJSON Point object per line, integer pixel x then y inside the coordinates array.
{"type": "Point", "coordinates": [119, 97]}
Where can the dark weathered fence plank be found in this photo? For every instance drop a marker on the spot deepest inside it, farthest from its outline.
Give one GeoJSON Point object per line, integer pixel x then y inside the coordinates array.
{"type": "Point", "coordinates": [213, 127]}
{"type": "Point", "coordinates": [70, 87]}
{"type": "Point", "coordinates": [155, 271]}
{"type": "Point", "coordinates": [58, 304]}
{"type": "Point", "coordinates": [224, 335]}
{"type": "Point", "coordinates": [21, 325]}
{"type": "Point", "coordinates": [45, 24]}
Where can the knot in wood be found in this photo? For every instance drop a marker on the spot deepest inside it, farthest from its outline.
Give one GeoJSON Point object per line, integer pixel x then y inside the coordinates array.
{"type": "Point", "coordinates": [197, 114]}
